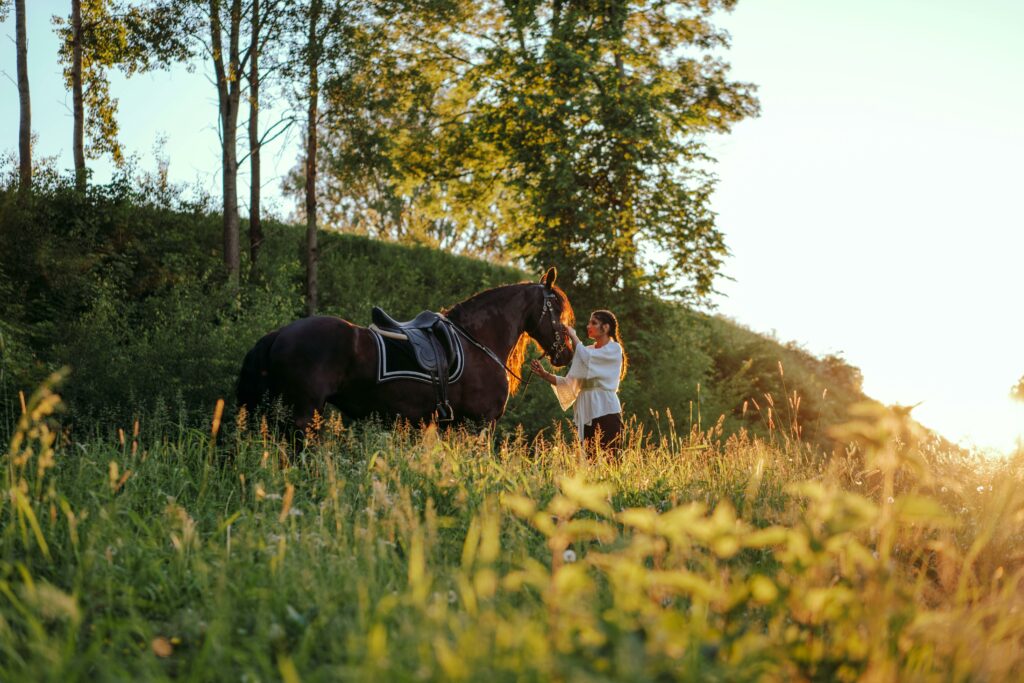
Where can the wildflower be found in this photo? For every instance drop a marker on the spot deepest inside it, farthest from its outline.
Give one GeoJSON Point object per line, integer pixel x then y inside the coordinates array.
{"type": "Point", "coordinates": [452, 597]}
{"type": "Point", "coordinates": [569, 556]}
{"type": "Point", "coordinates": [981, 489]}
{"type": "Point", "coordinates": [161, 647]}
{"type": "Point", "coordinates": [891, 500]}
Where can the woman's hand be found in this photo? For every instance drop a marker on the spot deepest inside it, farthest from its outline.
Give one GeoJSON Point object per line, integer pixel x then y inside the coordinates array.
{"type": "Point", "coordinates": [539, 370]}
{"type": "Point", "coordinates": [572, 334]}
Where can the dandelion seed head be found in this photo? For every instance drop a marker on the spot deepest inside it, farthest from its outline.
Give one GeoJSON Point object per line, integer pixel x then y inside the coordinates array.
{"type": "Point", "coordinates": [569, 556]}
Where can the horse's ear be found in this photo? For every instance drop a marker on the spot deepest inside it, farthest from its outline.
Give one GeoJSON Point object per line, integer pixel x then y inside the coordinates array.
{"type": "Point", "coordinates": [549, 277]}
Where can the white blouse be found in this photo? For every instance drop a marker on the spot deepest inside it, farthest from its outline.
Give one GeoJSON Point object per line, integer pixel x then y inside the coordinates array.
{"type": "Point", "coordinates": [592, 383]}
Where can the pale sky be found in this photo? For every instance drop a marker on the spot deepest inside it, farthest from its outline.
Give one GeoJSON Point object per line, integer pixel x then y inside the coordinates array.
{"type": "Point", "coordinates": [868, 209]}
{"type": "Point", "coordinates": [874, 208]}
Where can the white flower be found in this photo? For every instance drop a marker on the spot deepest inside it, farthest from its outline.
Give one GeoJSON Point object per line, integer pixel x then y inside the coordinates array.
{"type": "Point", "coordinates": [981, 489]}
{"type": "Point", "coordinates": [452, 598]}
{"type": "Point", "coordinates": [891, 500]}
{"type": "Point", "coordinates": [569, 556]}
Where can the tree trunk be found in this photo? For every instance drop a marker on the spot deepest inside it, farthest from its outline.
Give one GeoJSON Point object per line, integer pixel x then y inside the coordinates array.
{"type": "Point", "coordinates": [228, 91]}
{"type": "Point", "coordinates": [76, 94]}
{"type": "Point", "coordinates": [25, 129]}
{"type": "Point", "coordinates": [255, 221]}
{"type": "Point", "coordinates": [312, 254]}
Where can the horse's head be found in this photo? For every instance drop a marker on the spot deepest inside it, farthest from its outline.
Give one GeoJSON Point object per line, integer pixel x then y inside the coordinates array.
{"type": "Point", "coordinates": [548, 326]}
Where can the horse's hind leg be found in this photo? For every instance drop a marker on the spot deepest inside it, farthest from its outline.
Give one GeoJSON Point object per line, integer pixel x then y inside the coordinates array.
{"type": "Point", "coordinates": [304, 416]}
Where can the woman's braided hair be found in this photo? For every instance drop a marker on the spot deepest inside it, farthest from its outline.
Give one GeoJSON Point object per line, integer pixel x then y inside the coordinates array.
{"type": "Point", "coordinates": [608, 318]}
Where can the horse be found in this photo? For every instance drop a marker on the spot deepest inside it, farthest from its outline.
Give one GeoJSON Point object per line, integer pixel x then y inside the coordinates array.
{"type": "Point", "coordinates": [324, 359]}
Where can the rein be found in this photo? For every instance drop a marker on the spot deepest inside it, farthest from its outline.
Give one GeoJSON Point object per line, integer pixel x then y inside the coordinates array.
{"type": "Point", "coordinates": [472, 340]}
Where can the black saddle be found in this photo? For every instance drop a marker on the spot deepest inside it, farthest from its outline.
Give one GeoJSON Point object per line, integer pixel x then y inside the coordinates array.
{"type": "Point", "coordinates": [424, 320]}
{"type": "Point", "coordinates": [432, 339]}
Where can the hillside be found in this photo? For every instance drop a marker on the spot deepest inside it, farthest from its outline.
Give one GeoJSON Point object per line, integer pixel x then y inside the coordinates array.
{"type": "Point", "coordinates": [123, 286]}
{"type": "Point", "coordinates": [139, 540]}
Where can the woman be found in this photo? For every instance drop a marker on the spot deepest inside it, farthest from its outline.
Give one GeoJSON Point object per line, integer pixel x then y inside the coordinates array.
{"type": "Point", "coordinates": [592, 382]}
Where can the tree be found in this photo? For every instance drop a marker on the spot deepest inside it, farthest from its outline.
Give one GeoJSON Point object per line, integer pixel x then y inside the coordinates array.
{"type": "Point", "coordinates": [25, 120]}
{"type": "Point", "coordinates": [1017, 392]}
{"type": "Point", "coordinates": [393, 162]}
{"type": "Point", "coordinates": [557, 131]}
{"type": "Point", "coordinates": [98, 36]}
{"type": "Point", "coordinates": [78, 145]}
{"type": "Point", "coordinates": [265, 21]}
{"type": "Point", "coordinates": [255, 219]}
{"type": "Point", "coordinates": [316, 32]}
{"type": "Point", "coordinates": [227, 75]}
{"type": "Point", "coordinates": [314, 50]}
{"type": "Point", "coordinates": [177, 30]}
{"type": "Point", "coordinates": [599, 110]}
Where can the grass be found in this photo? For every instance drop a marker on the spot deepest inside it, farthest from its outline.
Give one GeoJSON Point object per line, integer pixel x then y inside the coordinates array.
{"type": "Point", "coordinates": [405, 554]}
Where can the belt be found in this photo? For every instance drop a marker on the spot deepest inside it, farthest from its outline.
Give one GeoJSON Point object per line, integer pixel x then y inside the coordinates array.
{"type": "Point", "coordinates": [590, 384]}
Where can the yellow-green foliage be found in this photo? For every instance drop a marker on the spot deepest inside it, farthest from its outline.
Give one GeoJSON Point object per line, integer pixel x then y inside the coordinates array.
{"type": "Point", "coordinates": [405, 554]}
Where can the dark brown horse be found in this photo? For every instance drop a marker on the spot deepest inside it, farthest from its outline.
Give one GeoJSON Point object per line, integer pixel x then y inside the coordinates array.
{"type": "Point", "coordinates": [319, 360]}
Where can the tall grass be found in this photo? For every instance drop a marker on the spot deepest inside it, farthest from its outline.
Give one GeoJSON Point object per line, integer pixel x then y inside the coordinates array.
{"type": "Point", "coordinates": [408, 554]}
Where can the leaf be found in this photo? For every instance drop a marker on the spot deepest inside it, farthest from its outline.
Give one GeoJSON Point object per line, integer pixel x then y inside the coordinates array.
{"type": "Point", "coordinates": [642, 519]}
{"type": "Point", "coordinates": [763, 538]}
{"type": "Point", "coordinates": [593, 497]}
{"type": "Point", "coordinates": [923, 510]}
{"type": "Point", "coordinates": [763, 589]}
{"type": "Point", "coordinates": [586, 529]}
{"type": "Point", "coordinates": [685, 583]}
{"type": "Point", "coordinates": [521, 506]}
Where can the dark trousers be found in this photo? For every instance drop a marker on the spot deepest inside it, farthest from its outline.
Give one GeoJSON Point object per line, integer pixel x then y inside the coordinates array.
{"type": "Point", "coordinates": [608, 428]}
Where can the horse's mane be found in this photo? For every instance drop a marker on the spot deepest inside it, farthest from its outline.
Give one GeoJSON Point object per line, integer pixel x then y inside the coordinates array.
{"type": "Point", "coordinates": [517, 355]}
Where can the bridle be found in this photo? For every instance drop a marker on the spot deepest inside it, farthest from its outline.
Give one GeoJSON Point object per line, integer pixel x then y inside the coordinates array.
{"type": "Point", "coordinates": [557, 328]}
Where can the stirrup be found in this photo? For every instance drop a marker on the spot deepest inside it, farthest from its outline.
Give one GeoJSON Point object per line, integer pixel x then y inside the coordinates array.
{"type": "Point", "coordinates": [445, 413]}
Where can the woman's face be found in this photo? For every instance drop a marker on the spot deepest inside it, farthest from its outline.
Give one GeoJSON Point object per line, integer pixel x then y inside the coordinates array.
{"type": "Point", "coordinates": [596, 329]}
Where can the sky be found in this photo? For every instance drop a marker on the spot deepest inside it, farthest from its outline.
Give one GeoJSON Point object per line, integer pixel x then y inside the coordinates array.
{"type": "Point", "coordinates": [873, 209]}
{"type": "Point", "coordinates": [869, 210]}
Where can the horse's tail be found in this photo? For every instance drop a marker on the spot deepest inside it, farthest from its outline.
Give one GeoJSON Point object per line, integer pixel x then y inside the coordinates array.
{"type": "Point", "coordinates": [254, 379]}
